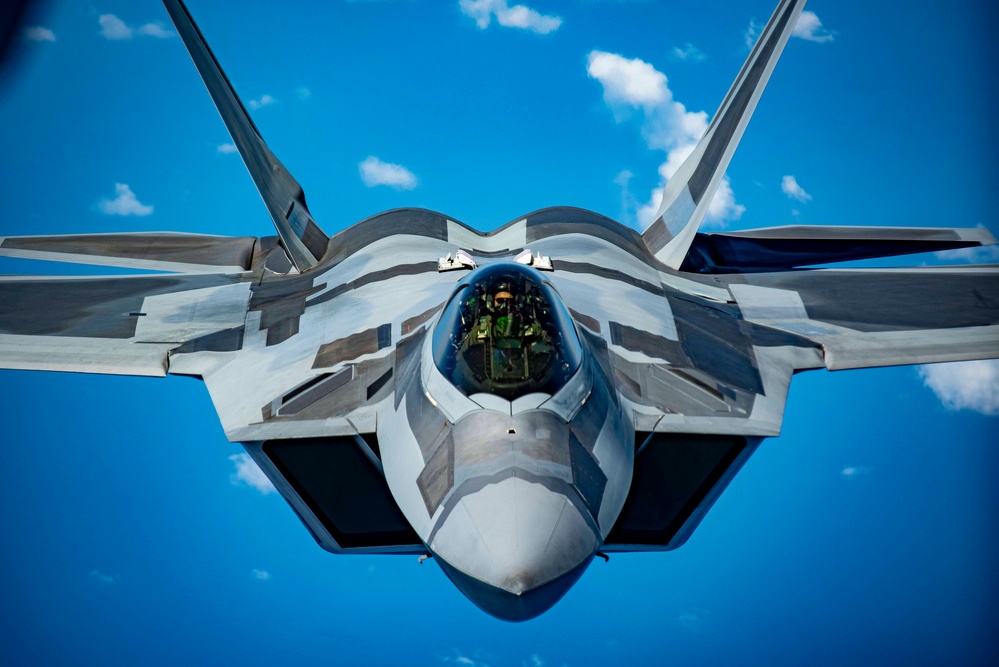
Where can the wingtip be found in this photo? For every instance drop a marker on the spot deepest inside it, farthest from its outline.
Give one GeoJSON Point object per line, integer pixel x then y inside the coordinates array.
{"type": "Point", "coordinates": [979, 235]}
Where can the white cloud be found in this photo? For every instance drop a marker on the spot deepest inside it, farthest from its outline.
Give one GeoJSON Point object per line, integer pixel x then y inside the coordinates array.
{"type": "Point", "coordinates": [37, 33]}
{"type": "Point", "coordinates": [113, 27]}
{"type": "Point", "coordinates": [154, 30]}
{"type": "Point", "coordinates": [667, 125]}
{"type": "Point", "coordinates": [124, 203]}
{"type": "Point", "coordinates": [789, 186]}
{"type": "Point", "coordinates": [518, 16]}
{"type": "Point", "coordinates": [632, 82]}
{"type": "Point", "coordinates": [855, 471]}
{"type": "Point", "coordinates": [262, 575]}
{"type": "Point", "coordinates": [972, 385]}
{"type": "Point", "coordinates": [303, 93]}
{"type": "Point", "coordinates": [810, 27]}
{"type": "Point", "coordinates": [375, 172]}
{"type": "Point", "coordinates": [534, 661]}
{"type": "Point", "coordinates": [106, 579]}
{"type": "Point", "coordinates": [226, 149]}
{"type": "Point", "coordinates": [247, 473]}
{"type": "Point", "coordinates": [264, 101]}
{"type": "Point", "coordinates": [689, 52]}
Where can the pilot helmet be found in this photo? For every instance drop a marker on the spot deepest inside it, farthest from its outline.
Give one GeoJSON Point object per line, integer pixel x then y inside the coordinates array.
{"type": "Point", "coordinates": [503, 298]}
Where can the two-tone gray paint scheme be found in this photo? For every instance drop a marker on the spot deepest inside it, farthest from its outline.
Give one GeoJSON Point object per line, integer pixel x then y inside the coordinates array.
{"type": "Point", "coordinates": [318, 354]}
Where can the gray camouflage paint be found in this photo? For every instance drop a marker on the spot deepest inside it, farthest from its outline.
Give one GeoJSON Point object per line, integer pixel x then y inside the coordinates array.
{"type": "Point", "coordinates": [298, 338]}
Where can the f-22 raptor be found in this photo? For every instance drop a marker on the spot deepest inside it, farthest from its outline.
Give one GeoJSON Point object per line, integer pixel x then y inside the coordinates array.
{"type": "Point", "coordinates": [513, 403]}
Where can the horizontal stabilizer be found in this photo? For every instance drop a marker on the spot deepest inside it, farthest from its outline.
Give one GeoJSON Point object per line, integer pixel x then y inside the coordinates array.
{"type": "Point", "coordinates": [777, 248]}
{"type": "Point", "coordinates": [880, 317]}
{"type": "Point", "coordinates": [301, 236]}
{"type": "Point", "coordinates": [154, 251]}
{"type": "Point", "coordinates": [689, 192]}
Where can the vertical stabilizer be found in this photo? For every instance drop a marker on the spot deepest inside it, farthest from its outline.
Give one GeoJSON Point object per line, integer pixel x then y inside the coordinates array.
{"type": "Point", "coordinates": [688, 194]}
{"type": "Point", "coordinates": [283, 196]}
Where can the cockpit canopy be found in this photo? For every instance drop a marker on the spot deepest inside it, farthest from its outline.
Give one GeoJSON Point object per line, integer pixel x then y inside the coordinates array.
{"type": "Point", "coordinates": [506, 332]}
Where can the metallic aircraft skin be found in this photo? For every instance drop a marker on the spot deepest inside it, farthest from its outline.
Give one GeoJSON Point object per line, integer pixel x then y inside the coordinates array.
{"type": "Point", "coordinates": [511, 417]}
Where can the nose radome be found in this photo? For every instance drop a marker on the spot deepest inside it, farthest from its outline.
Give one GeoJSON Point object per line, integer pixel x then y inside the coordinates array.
{"type": "Point", "coordinates": [514, 536]}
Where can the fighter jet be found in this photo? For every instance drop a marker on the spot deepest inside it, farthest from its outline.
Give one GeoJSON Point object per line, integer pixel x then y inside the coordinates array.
{"type": "Point", "coordinates": [512, 403]}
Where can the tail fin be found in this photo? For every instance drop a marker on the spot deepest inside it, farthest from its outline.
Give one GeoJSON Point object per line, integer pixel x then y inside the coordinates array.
{"type": "Point", "coordinates": [301, 236]}
{"type": "Point", "coordinates": [688, 194]}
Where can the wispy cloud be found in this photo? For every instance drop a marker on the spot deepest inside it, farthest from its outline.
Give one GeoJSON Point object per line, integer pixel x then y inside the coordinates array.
{"type": "Point", "coordinates": [154, 30]}
{"type": "Point", "coordinates": [264, 101]}
{"type": "Point", "coordinates": [106, 579]}
{"type": "Point", "coordinates": [789, 186]}
{"type": "Point", "coordinates": [856, 471]}
{"type": "Point", "coordinates": [988, 254]}
{"type": "Point", "coordinates": [124, 203]}
{"type": "Point", "coordinates": [629, 203]}
{"type": "Point", "coordinates": [248, 473]}
{"type": "Point", "coordinates": [303, 93]}
{"type": "Point", "coordinates": [534, 661]}
{"type": "Point", "coordinates": [375, 172]}
{"type": "Point", "coordinates": [752, 32]}
{"type": "Point", "coordinates": [971, 385]}
{"type": "Point", "coordinates": [262, 575]}
{"type": "Point", "coordinates": [810, 27]}
{"type": "Point", "coordinates": [693, 619]}
{"type": "Point", "coordinates": [226, 149]}
{"type": "Point", "coordinates": [689, 52]}
{"type": "Point", "coordinates": [518, 16]}
{"type": "Point", "coordinates": [458, 658]}
{"type": "Point", "coordinates": [37, 33]}
{"type": "Point", "coordinates": [113, 28]}
{"type": "Point", "coordinates": [633, 85]}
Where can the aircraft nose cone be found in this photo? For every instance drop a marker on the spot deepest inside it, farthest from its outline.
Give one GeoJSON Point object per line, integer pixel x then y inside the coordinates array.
{"type": "Point", "coordinates": [515, 547]}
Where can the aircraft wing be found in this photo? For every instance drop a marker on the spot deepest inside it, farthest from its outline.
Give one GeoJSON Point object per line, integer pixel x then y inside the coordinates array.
{"type": "Point", "coordinates": [154, 251]}
{"type": "Point", "coordinates": [124, 325]}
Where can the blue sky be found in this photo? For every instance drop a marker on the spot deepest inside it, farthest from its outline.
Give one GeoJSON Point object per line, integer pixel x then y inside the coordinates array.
{"type": "Point", "coordinates": [865, 533]}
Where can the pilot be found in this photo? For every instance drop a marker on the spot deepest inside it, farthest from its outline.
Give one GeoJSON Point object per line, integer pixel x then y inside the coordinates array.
{"type": "Point", "coordinates": [507, 323]}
